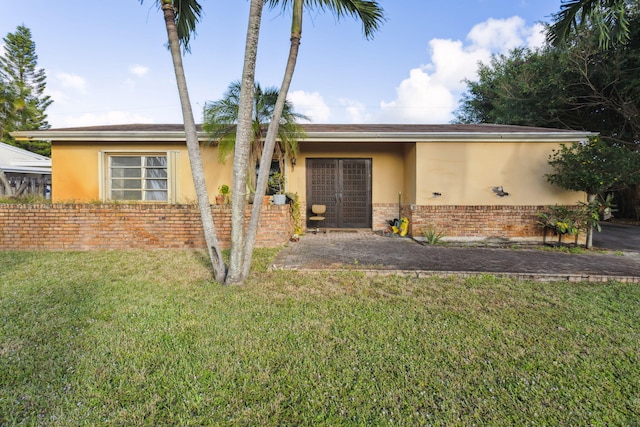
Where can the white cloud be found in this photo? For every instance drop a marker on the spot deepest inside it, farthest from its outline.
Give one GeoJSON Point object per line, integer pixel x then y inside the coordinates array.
{"type": "Point", "coordinates": [72, 81]}
{"type": "Point", "coordinates": [537, 37]}
{"type": "Point", "coordinates": [311, 105]}
{"type": "Point", "coordinates": [451, 62]}
{"type": "Point", "coordinates": [419, 100]}
{"type": "Point", "coordinates": [356, 111]}
{"type": "Point", "coordinates": [499, 35]}
{"type": "Point", "coordinates": [431, 92]}
{"type": "Point", "coordinates": [139, 70]}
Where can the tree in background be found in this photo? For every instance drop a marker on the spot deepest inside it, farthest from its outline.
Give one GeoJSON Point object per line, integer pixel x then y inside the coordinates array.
{"type": "Point", "coordinates": [511, 90]}
{"type": "Point", "coordinates": [580, 85]}
{"type": "Point", "coordinates": [220, 118]}
{"type": "Point", "coordinates": [23, 103]}
{"type": "Point", "coordinates": [596, 168]}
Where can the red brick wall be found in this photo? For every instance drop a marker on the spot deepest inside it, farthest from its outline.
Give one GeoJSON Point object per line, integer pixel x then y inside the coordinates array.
{"type": "Point", "coordinates": [509, 222]}
{"type": "Point", "coordinates": [476, 221]}
{"type": "Point", "coordinates": [113, 226]}
{"type": "Point", "coordinates": [382, 213]}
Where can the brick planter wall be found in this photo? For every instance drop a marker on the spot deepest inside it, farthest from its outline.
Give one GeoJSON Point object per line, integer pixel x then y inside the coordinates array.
{"type": "Point", "coordinates": [505, 222]}
{"type": "Point", "coordinates": [463, 222]}
{"type": "Point", "coordinates": [113, 226]}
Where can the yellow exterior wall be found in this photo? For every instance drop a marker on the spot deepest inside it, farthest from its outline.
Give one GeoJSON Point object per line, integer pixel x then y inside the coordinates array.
{"type": "Point", "coordinates": [465, 173]}
{"type": "Point", "coordinates": [410, 176]}
{"type": "Point", "coordinates": [74, 173]}
{"type": "Point", "coordinates": [76, 169]}
{"type": "Point", "coordinates": [388, 162]}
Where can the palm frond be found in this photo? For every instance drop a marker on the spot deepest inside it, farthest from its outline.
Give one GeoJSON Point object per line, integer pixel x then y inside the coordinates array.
{"type": "Point", "coordinates": [188, 13]}
{"type": "Point", "coordinates": [368, 12]}
{"type": "Point", "coordinates": [220, 118]}
{"type": "Point", "coordinates": [609, 17]}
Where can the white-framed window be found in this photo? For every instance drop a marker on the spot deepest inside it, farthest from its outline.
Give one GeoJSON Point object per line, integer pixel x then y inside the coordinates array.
{"type": "Point", "coordinates": [142, 177]}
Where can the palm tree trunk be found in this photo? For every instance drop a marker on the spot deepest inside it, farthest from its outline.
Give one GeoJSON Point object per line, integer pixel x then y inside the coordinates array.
{"type": "Point", "coordinates": [243, 144]}
{"type": "Point", "coordinates": [193, 147]}
{"type": "Point", "coordinates": [270, 141]}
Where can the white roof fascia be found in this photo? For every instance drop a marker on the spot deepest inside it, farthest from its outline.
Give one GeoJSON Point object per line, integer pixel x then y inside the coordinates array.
{"type": "Point", "coordinates": [179, 136]}
{"type": "Point", "coordinates": [107, 136]}
{"type": "Point", "coordinates": [447, 136]}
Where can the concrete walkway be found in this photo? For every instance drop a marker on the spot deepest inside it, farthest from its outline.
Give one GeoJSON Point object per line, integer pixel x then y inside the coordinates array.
{"type": "Point", "coordinates": [617, 237]}
{"type": "Point", "coordinates": [375, 254]}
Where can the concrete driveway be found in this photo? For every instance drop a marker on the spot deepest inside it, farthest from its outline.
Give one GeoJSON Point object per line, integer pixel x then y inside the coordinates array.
{"type": "Point", "coordinates": [617, 237]}
{"type": "Point", "coordinates": [375, 254]}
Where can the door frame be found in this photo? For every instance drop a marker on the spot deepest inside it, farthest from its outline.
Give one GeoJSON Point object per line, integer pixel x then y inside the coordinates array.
{"type": "Point", "coordinates": [336, 205]}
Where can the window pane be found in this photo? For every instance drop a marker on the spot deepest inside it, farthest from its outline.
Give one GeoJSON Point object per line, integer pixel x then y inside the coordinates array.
{"type": "Point", "coordinates": [156, 184]}
{"type": "Point", "coordinates": [126, 173]}
{"type": "Point", "coordinates": [156, 195]}
{"type": "Point", "coordinates": [126, 161]}
{"type": "Point", "coordinates": [120, 184]}
{"type": "Point", "coordinates": [156, 161]}
{"type": "Point", "coordinates": [141, 178]}
{"type": "Point", "coordinates": [156, 173]}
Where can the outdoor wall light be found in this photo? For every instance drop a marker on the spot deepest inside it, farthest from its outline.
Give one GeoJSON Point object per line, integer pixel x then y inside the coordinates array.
{"type": "Point", "coordinates": [436, 194]}
{"type": "Point", "coordinates": [500, 191]}
{"type": "Point", "coordinates": [293, 163]}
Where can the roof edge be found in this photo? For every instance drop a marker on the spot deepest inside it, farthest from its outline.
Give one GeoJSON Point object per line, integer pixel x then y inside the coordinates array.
{"type": "Point", "coordinates": [78, 135]}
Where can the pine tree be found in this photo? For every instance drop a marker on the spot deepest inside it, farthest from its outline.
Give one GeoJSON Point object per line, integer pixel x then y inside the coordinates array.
{"type": "Point", "coordinates": [23, 103]}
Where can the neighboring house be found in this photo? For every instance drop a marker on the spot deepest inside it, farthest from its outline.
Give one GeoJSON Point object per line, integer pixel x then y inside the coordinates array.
{"type": "Point", "coordinates": [471, 181]}
{"type": "Point", "coordinates": [26, 172]}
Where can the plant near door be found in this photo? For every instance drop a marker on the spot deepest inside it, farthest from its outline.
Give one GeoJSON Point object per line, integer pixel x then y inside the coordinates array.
{"type": "Point", "coordinates": [276, 183]}
{"type": "Point", "coordinates": [294, 207]}
{"type": "Point", "coordinates": [223, 194]}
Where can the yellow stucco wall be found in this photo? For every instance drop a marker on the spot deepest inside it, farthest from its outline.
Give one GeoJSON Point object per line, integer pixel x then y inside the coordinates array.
{"type": "Point", "coordinates": [76, 169]}
{"type": "Point", "coordinates": [466, 172]}
{"type": "Point", "coordinates": [463, 172]}
{"type": "Point", "coordinates": [388, 166]}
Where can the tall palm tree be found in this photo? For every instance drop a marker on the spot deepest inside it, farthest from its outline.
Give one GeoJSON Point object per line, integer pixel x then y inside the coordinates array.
{"type": "Point", "coordinates": [371, 15]}
{"type": "Point", "coordinates": [243, 142]}
{"type": "Point", "coordinates": [609, 17]}
{"type": "Point", "coordinates": [181, 17]}
{"type": "Point", "coordinates": [220, 118]}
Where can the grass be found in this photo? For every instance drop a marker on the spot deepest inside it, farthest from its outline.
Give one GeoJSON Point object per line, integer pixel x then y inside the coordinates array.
{"type": "Point", "coordinates": [146, 338]}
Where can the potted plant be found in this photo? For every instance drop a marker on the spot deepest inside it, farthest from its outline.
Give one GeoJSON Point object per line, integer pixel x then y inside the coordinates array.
{"type": "Point", "coordinates": [562, 221]}
{"type": "Point", "coordinates": [223, 194]}
{"type": "Point", "coordinates": [276, 184]}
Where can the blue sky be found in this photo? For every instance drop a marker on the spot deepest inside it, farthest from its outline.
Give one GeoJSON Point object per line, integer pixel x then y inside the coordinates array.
{"type": "Point", "coordinates": [106, 61]}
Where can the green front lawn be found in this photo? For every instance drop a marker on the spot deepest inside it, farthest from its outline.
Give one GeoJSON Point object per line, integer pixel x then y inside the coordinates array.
{"type": "Point", "coordinates": [146, 338]}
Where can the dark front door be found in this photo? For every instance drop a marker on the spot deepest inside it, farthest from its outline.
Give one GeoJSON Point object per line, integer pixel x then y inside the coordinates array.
{"type": "Point", "coordinates": [344, 187]}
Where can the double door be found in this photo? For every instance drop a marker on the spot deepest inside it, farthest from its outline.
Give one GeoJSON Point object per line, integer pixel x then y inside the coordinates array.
{"type": "Point", "coordinates": [344, 187]}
